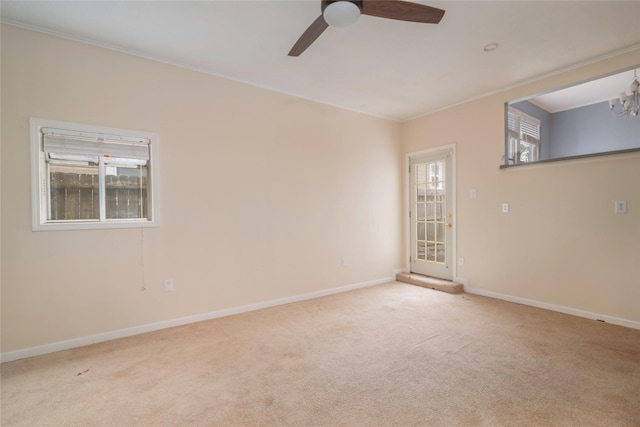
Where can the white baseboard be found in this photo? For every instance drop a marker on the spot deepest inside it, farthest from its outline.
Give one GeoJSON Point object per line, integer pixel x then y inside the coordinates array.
{"type": "Point", "coordinates": [559, 308]}
{"type": "Point", "coordinates": [398, 271]}
{"type": "Point", "coordinates": [122, 333]}
{"type": "Point", "coordinates": [463, 282]}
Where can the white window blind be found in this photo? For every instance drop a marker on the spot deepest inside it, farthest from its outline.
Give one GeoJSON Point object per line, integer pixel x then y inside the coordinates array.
{"type": "Point", "coordinates": [530, 129]}
{"type": "Point", "coordinates": [523, 126]}
{"type": "Point", "coordinates": [523, 137]}
{"type": "Point", "coordinates": [65, 142]}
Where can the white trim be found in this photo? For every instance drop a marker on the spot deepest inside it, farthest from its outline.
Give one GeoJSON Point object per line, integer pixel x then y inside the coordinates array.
{"type": "Point", "coordinates": [122, 333]}
{"type": "Point", "coordinates": [462, 281]}
{"type": "Point", "coordinates": [37, 193]}
{"type": "Point", "coordinates": [397, 271]}
{"type": "Point", "coordinates": [442, 149]}
{"type": "Point", "coordinates": [179, 64]}
{"type": "Point", "coordinates": [534, 79]}
{"type": "Point", "coordinates": [185, 66]}
{"type": "Point", "coordinates": [559, 308]}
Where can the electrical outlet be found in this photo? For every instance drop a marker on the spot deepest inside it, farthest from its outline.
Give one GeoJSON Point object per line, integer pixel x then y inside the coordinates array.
{"type": "Point", "coordinates": [621, 206]}
{"type": "Point", "coordinates": [168, 285]}
{"type": "Point", "coordinates": [505, 208]}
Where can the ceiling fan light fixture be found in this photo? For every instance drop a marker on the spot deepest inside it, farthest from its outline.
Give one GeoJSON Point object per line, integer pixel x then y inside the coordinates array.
{"type": "Point", "coordinates": [341, 13]}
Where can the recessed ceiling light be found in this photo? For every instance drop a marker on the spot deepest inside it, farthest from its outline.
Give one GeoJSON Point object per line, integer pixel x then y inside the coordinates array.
{"type": "Point", "coordinates": [491, 47]}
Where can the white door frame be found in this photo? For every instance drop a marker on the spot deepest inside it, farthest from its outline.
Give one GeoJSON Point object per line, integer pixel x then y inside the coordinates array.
{"type": "Point", "coordinates": [442, 149]}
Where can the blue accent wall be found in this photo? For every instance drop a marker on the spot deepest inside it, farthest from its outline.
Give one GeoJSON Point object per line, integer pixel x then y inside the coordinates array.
{"type": "Point", "coordinates": [584, 130]}
{"type": "Point", "coordinates": [592, 129]}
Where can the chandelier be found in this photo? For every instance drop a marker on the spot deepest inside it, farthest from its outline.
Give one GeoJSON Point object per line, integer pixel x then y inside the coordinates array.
{"type": "Point", "coordinates": [629, 105]}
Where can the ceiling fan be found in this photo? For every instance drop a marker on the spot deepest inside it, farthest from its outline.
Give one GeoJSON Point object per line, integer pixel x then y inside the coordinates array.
{"type": "Point", "coordinates": [341, 13]}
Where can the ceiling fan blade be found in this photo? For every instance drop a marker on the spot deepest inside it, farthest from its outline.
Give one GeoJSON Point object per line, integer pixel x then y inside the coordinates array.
{"type": "Point", "coordinates": [309, 36]}
{"type": "Point", "coordinates": [402, 11]}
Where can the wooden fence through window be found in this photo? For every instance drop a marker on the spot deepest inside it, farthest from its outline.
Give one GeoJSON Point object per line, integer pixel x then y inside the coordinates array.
{"type": "Point", "coordinates": [76, 196]}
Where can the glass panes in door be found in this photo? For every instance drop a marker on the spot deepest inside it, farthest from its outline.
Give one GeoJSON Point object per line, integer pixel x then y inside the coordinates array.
{"type": "Point", "coordinates": [431, 211]}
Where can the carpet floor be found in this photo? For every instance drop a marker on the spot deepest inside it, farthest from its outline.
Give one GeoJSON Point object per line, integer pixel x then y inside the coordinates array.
{"type": "Point", "coordinates": [388, 355]}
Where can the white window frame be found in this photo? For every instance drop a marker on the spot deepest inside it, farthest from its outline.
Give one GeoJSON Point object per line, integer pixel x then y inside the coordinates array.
{"type": "Point", "coordinates": [39, 179]}
{"type": "Point", "coordinates": [526, 130]}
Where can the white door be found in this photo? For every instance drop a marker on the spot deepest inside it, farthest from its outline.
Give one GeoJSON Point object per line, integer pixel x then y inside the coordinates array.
{"type": "Point", "coordinates": [431, 215]}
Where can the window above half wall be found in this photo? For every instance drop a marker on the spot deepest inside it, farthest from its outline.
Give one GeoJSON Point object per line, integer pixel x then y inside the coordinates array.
{"type": "Point", "coordinates": [582, 120]}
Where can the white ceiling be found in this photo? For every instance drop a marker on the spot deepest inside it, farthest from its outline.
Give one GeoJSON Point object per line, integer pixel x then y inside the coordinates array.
{"type": "Point", "coordinates": [587, 93]}
{"type": "Point", "coordinates": [393, 69]}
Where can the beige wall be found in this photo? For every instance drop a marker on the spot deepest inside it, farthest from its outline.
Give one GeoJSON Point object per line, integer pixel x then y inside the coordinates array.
{"type": "Point", "coordinates": [562, 243]}
{"type": "Point", "coordinates": [261, 195]}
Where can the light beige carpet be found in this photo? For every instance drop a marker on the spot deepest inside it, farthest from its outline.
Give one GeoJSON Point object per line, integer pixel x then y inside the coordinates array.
{"type": "Point", "coordinates": [390, 355]}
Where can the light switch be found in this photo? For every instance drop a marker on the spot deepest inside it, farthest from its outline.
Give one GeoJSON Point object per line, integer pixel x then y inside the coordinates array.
{"type": "Point", "coordinates": [473, 193]}
{"type": "Point", "coordinates": [621, 206]}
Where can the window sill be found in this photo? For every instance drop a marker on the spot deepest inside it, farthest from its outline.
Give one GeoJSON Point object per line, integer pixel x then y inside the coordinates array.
{"type": "Point", "coordinates": [92, 225]}
{"type": "Point", "coordinates": [582, 156]}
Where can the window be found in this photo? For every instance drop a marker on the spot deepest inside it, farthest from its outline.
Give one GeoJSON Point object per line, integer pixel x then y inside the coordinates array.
{"type": "Point", "coordinates": [575, 122]}
{"type": "Point", "coordinates": [92, 177]}
{"type": "Point", "coordinates": [523, 137]}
